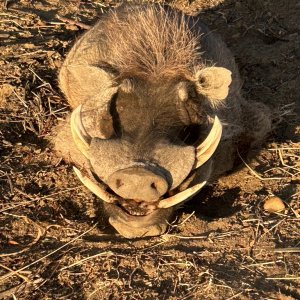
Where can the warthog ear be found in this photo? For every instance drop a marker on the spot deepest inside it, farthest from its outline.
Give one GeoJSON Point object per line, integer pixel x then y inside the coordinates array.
{"type": "Point", "coordinates": [83, 83]}
{"type": "Point", "coordinates": [93, 87]}
{"type": "Point", "coordinates": [213, 83]}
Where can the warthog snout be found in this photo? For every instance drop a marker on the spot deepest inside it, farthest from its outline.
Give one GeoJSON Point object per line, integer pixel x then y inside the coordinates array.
{"type": "Point", "coordinates": [138, 183]}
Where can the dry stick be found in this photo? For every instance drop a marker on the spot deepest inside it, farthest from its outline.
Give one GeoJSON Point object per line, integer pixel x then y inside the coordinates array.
{"type": "Point", "coordinates": [166, 237]}
{"type": "Point", "coordinates": [290, 249]}
{"type": "Point", "coordinates": [79, 262]}
{"type": "Point", "coordinates": [234, 296]}
{"type": "Point", "coordinates": [284, 148]}
{"type": "Point", "coordinates": [256, 174]}
{"type": "Point", "coordinates": [177, 225]}
{"type": "Point", "coordinates": [20, 275]}
{"type": "Point", "coordinates": [262, 264]}
{"type": "Point", "coordinates": [73, 22]}
{"type": "Point", "coordinates": [283, 170]}
{"type": "Point", "coordinates": [47, 255]}
{"type": "Point", "coordinates": [41, 79]}
{"type": "Point", "coordinates": [22, 101]}
{"type": "Point", "coordinates": [269, 230]}
{"type": "Point", "coordinates": [36, 239]}
{"type": "Point", "coordinates": [27, 27]}
{"type": "Point", "coordinates": [99, 286]}
{"type": "Point", "coordinates": [10, 292]}
{"type": "Point", "coordinates": [283, 278]}
{"type": "Point", "coordinates": [295, 213]}
{"type": "Point", "coordinates": [186, 219]}
{"type": "Point", "coordinates": [283, 163]}
{"type": "Point", "coordinates": [30, 53]}
{"type": "Point", "coordinates": [37, 199]}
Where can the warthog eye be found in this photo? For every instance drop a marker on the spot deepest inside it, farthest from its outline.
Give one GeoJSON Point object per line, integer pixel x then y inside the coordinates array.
{"type": "Point", "coordinates": [191, 134]}
{"type": "Point", "coordinates": [115, 117]}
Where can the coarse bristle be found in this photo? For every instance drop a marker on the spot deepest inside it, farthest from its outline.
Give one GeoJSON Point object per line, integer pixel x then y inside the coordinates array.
{"type": "Point", "coordinates": [151, 41]}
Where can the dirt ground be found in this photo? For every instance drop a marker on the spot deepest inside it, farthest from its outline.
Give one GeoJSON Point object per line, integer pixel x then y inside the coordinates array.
{"type": "Point", "coordinates": [54, 241]}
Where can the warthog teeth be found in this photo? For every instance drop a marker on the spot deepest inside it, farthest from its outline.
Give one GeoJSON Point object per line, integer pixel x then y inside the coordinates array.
{"type": "Point", "coordinates": [80, 136]}
{"type": "Point", "coordinates": [182, 196]}
{"type": "Point", "coordinates": [94, 187]}
{"type": "Point", "coordinates": [206, 149]}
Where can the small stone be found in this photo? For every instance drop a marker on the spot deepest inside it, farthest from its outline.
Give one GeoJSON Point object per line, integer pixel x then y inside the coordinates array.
{"type": "Point", "coordinates": [274, 204]}
{"type": "Point", "coordinates": [71, 27]}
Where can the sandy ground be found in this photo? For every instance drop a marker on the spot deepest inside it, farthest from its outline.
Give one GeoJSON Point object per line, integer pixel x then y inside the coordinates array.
{"type": "Point", "coordinates": [55, 243]}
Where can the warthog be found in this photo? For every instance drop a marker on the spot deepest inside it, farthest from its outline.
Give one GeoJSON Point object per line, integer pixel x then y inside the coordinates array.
{"type": "Point", "coordinates": [156, 113]}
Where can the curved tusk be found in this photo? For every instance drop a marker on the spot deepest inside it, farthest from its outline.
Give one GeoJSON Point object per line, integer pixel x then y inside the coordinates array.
{"type": "Point", "coordinates": [209, 145]}
{"type": "Point", "coordinates": [81, 138]}
{"type": "Point", "coordinates": [180, 197]}
{"type": "Point", "coordinates": [94, 187]}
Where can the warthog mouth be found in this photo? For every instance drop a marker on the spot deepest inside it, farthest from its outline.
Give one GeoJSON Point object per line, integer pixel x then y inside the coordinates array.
{"type": "Point", "coordinates": [134, 219]}
{"type": "Point", "coordinates": [140, 207]}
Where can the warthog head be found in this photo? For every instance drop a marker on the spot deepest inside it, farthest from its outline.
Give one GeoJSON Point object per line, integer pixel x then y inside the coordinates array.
{"type": "Point", "coordinates": [143, 116]}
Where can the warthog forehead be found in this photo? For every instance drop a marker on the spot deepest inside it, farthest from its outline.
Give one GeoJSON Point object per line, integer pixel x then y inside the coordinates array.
{"type": "Point", "coordinates": [147, 110]}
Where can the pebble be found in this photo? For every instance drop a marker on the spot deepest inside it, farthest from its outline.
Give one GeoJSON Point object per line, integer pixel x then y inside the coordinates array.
{"type": "Point", "coordinates": [274, 204]}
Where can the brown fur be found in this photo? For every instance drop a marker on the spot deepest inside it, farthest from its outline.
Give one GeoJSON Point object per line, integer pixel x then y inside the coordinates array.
{"type": "Point", "coordinates": [159, 43]}
{"type": "Point", "coordinates": [137, 70]}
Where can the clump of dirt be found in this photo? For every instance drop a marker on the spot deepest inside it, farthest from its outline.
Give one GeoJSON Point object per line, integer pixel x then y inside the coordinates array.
{"type": "Point", "coordinates": [55, 240]}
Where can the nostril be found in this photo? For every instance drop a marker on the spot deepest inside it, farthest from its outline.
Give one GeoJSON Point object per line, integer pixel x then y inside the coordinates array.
{"type": "Point", "coordinates": [153, 185]}
{"type": "Point", "coordinates": [119, 183]}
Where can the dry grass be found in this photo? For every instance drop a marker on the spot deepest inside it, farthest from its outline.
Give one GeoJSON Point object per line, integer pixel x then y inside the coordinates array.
{"type": "Point", "coordinates": [222, 245]}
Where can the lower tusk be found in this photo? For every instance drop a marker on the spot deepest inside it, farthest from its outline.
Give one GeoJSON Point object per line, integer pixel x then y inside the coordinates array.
{"type": "Point", "coordinates": [94, 187]}
{"type": "Point", "coordinates": [80, 136]}
{"type": "Point", "coordinates": [210, 144]}
{"type": "Point", "coordinates": [180, 197]}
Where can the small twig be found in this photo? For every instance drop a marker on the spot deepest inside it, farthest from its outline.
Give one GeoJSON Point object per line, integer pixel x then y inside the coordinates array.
{"type": "Point", "coordinates": [283, 278]}
{"type": "Point", "coordinates": [131, 276]}
{"type": "Point", "coordinates": [79, 262]}
{"type": "Point", "coordinates": [47, 255]}
{"type": "Point", "coordinates": [282, 161]}
{"type": "Point", "coordinates": [40, 232]}
{"type": "Point", "coordinates": [262, 264]}
{"type": "Point", "coordinates": [289, 250]}
{"type": "Point", "coordinates": [10, 184]}
{"type": "Point", "coordinates": [187, 218]}
{"type": "Point", "coordinates": [234, 296]}
{"type": "Point", "coordinates": [29, 53]}
{"type": "Point", "coordinates": [73, 22]}
{"type": "Point", "coordinates": [12, 21]}
{"type": "Point", "coordinates": [281, 169]}
{"type": "Point", "coordinates": [284, 148]}
{"type": "Point", "coordinates": [295, 212]}
{"type": "Point", "coordinates": [41, 79]}
{"type": "Point", "coordinates": [256, 174]}
{"type": "Point", "coordinates": [184, 237]}
{"type": "Point", "coordinates": [20, 275]}
{"type": "Point", "coordinates": [269, 230]}
{"type": "Point", "coordinates": [22, 101]}
{"type": "Point", "coordinates": [5, 3]}
{"type": "Point", "coordinates": [10, 292]}
{"type": "Point", "coordinates": [105, 283]}
{"type": "Point", "coordinates": [35, 199]}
